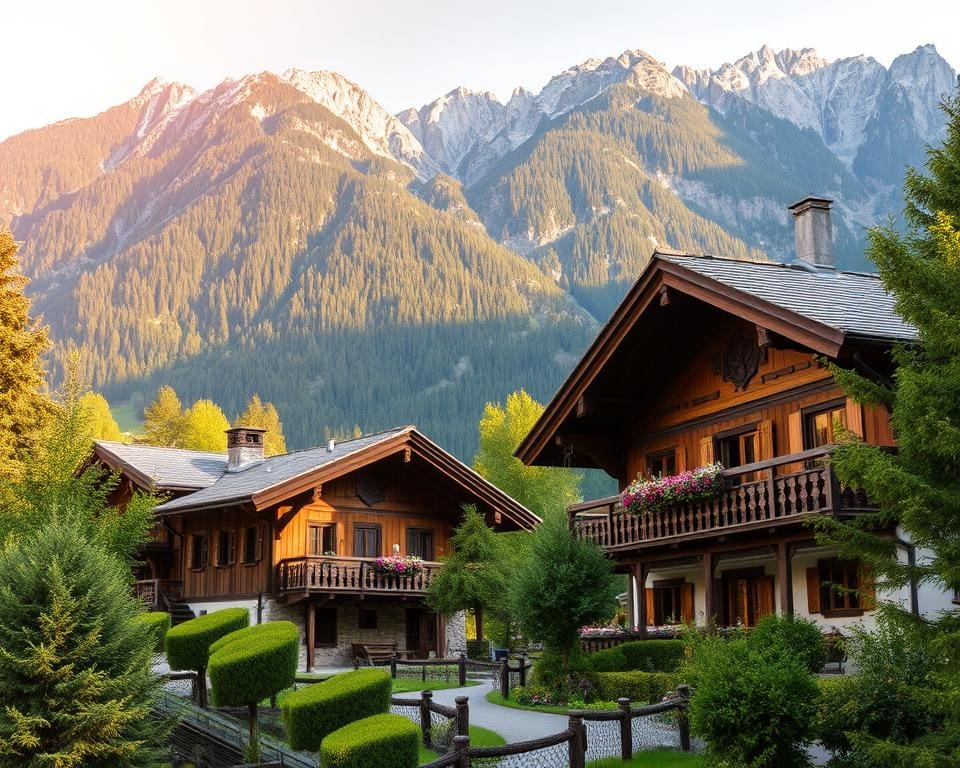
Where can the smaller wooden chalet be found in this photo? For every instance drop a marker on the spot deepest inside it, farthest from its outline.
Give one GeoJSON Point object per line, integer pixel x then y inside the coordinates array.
{"type": "Point", "coordinates": [298, 536]}
{"type": "Point", "coordinates": [711, 359]}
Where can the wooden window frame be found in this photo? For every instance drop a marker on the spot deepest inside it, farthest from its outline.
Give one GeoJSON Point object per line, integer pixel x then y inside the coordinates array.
{"type": "Point", "coordinates": [250, 533]}
{"type": "Point", "coordinates": [807, 413]}
{"type": "Point", "coordinates": [367, 618]}
{"type": "Point", "coordinates": [421, 529]}
{"type": "Point", "coordinates": [321, 526]}
{"type": "Point", "coordinates": [828, 608]}
{"type": "Point", "coordinates": [663, 453]}
{"type": "Point", "coordinates": [740, 431]}
{"type": "Point", "coordinates": [378, 527]}
{"type": "Point", "coordinates": [673, 585]}
{"type": "Point", "coordinates": [231, 540]}
{"type": "Point", "coordinates": [204, 551]}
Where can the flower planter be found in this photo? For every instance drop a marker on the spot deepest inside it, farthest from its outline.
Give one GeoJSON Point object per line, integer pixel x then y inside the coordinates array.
{"type": "Point", "coordinates": [692, 487]}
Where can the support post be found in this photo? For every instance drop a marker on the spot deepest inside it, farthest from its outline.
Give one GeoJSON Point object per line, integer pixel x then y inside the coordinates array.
{"type": "Point", "coordinates": [523, 669]}
{"type": "Point", "coordinates": [463, 715]}
{"type": "Point", "coordinates": [311, 633]}
{"type": "Point", "coordinates": [708, 591]}
{"type": "Point", "coordinates": [785, 574]}
{"type": "Point", "coordinates": [640, 595]}
{"type": "Point", "coordinates": [578, 746]}
{"type": "Point", "coordinates": [393, 667]}
{"type": "Point", "coordinates": [683, 717]}
{"type": "Point", "coordinates": [505, 678]}
{"type": "Point", "coordinates": [632, 618]}
{"type": "Point", "coordinates": [201, 683]}
{"type": "Point", "coordinates": [460, 745]}
{"type": "Point", "coordinates": [425, 721]}
{"type": "Point", "coordinates": [462, 670]}
{"type": "Point", "coordinates": [626, 730]}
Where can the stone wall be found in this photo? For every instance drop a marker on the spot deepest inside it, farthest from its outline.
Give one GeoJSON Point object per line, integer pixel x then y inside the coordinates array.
{"type": "Point", "coordinates": [391, 628]}
{"type": "Point", "coordinates": [456, 634]}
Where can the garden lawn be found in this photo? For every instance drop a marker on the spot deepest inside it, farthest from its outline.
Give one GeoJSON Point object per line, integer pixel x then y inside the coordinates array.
{"type": "Point", "coordinates": [479, 737]}
{"type": "Point", "coordinates": [405, 684]}
{"type": "Point", "coordinates": [655, 758]}
{"type": "Point", "coordinates": [494, 697]}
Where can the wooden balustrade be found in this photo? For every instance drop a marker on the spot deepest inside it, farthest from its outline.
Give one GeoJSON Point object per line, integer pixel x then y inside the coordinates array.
{"type": "Point", "coordinates": [357, 575]}
{"type": "Point", "coordinates": [760, 494]}
{"type": "Point", "coordinates": [152, 591]}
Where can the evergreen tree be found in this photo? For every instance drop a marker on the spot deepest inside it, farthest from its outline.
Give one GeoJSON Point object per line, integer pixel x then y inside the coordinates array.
{"type": "Point", "coordinates": [102, 424]}
{"type": "Point", "coordinates": [264, 416]}
{"type": "Point", "coordinates": [24, 407]}
{"type": "Point", "coordinates": [163, 419]}
{"type": "Point", "coordinates": [74, 660]}
{"type": "Point", "coordinates": [204, 427]}
{"type": "Point", "coordinates": [471, 578]}
{"type": "Point", "coordinates": [918, 487]}
{"type": "Point", "coordinates": [542, 490]}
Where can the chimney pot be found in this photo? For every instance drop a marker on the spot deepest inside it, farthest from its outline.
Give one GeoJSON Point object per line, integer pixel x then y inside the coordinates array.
{"type": "Point", "coordinates": [244, 447]}
{"type": "Point", "coordinates": [814, 231]}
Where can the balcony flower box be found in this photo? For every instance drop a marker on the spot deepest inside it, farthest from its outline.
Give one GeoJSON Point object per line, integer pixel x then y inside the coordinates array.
{"type": "Point", "coordinates": [700, 484]}
{"type": "Point", "coordinates": [398, 565]}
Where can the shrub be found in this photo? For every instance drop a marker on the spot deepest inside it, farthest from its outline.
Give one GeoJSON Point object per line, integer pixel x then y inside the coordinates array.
{"type": "Point", "coordinates": [254, 663]}
{"type": "Point", "coordinates": [608, 660]}
{"type": "Point", "coordinates": [157, 623]}
{"type": "Point", "coordinates": [478, 649]}
{"type": "Point", "coordinates": [317, 710]}
{"type": "Point", "coordinates": [639, 687]}
{"type": "Point", "coordinates": [379, 741]}
{"type": "Point", "coordinates": [753, 709]}
{"type": "Point", "coordinates": [641, 655]}
{"type": "Point", "coordinates": [792, 636]}
{"type": "Point", "coordinates": [188, 644]}
{"type": "Point", "coordinates": [575, 683]}
{"type": "Point", "coordinates": [839, 712]}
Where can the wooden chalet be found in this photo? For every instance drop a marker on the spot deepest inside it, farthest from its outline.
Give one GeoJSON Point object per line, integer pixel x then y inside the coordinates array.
{"type": "Point", "coordinates": [298, 536]}
{"type": "Point", "coordinates": [709, 360]}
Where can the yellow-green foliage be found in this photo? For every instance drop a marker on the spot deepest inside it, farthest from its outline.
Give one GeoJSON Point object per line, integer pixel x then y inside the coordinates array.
{"type": "Point", "coordinates": [253, 663]}
{"type": "Point", "coordinates": [311, 713]}
{"type": "Point", "coordinates": [188, 644]}
{"type": "Point", "coordinates": [158, 624]}
{"type": "Point", "coordinates": [379, 741]}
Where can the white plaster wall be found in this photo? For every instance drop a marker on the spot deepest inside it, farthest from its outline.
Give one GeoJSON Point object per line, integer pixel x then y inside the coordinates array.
{"type": "Point", "coordinates": [209, 606]}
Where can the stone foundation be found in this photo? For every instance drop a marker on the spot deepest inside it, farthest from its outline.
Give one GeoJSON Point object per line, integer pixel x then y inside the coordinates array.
{"type": "Point", "coordinates": [456, 634]}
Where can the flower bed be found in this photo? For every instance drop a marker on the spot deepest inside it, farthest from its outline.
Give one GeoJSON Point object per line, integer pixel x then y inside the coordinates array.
{"type": "Point", "coordinates": [700, 484]}
{"type": "Point", "coordinates": [398, 565]}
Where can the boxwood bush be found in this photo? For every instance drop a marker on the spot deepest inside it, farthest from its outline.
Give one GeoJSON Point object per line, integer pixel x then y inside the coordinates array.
{"type": "Point", "coordinates": [379, 741]}
{"type": "Point", "coordinates": [311, 713]}
{"type": "Point", "coordinates": [639, 687]}
{"type": "Point", "coordinates": [157, 623]}
{"type": "Point", "coordinates": [790, 635]}
{"type": "Point", "coordinates": [641, 655]}
{"type": "Point", "coordinates": [253, 663]}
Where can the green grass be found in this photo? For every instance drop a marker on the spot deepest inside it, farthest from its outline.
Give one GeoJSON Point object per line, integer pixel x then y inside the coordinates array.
{"type": "Point", "coordinates": [494, 697]}
{"type": "Point", "coordinates": [406, 684]}
{"type": "Point", "coordinates": [479, 737]}
{"type": "Point", "coordinates": [655, 758]}
{"type": "Point", "coordinates": [129, 419]}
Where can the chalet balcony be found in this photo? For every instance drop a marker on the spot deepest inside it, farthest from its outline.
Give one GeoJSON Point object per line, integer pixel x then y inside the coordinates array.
{"type": "Point", "coordinates": [349, 575]}
{"type": "Point", "coordinates": [780, 491]}
{"type": "Point", "coordinates": [152, 591]}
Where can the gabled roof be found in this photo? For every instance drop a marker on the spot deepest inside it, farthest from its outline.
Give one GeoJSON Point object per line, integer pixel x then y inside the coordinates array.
{"type": "Point", "coordinates": [279, 477]}
{"type": "Point", "coordinates": [166, 469]}
{"type": "Point", "coordinates": [822, 309]}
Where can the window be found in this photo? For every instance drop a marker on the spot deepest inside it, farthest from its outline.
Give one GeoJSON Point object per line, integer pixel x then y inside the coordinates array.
{"type": "Point", "coordinates": [322, 539]}
{"type": "Point", "coordinates": [839, 588]}
{"type": "Point", "coordinates": [198, 552]}
{"type": "Point", "coordinates": [420, 543]}
{"type": "Point", "coordinates": [324, 628]}
{"type": "Point", "coordinates": [368, 618]}
{"type": "Point", "coordinates": [666, 604]}
{"type": "Point", "coordinates": [250, 547]}
{"type": "Point", "coordinates": [225, 553]}
{"type": "Point", "coordinates": [738, 449]}
{"type": "Point", "coordinates": [819, 424]}
{"type": "Point", "coordinates": [747, 595]}
{"type": "Point", "coordinates": [662, 463]}
{"type": "Point", "coordinates": [366, 540]}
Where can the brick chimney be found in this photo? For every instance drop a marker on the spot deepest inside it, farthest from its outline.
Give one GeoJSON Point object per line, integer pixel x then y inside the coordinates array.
{"type": "Point", "coordinates": [814, 231]}
{"type": "Point", "coordinates": [244, 447]}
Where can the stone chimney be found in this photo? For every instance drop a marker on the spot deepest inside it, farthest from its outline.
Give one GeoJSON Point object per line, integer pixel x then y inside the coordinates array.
{"type": "Point", "coordinates": [814, 232]}
{"type": "Point", "coordinates": [244, 447]}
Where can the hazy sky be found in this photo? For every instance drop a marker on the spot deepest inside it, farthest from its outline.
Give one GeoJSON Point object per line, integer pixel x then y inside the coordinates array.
{"type": "Point", "coordinates": [68, 58]}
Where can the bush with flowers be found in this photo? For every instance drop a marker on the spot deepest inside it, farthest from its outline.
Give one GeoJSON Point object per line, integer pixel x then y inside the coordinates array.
{"type": "Point", "coordinates": [399, 565]}
{"type": "Point", "coordinates": [698, 484]}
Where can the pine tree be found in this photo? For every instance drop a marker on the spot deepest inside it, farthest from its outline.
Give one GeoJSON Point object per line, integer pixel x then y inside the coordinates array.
{"type": "Point", "coordinates": [542, 490]}
{"type": "Point", "coordinates": [163, 419]}
{"type": "Point", "coordinates": [264, 416]}
{"type": "Point", "coordinates": [205, 427]}
{"type": "Point", "coordinates": [24, 406]}
{"type": "Point", "coordinates": [102, 424]}
{"type": "Point", "coordinates": [74, 661]}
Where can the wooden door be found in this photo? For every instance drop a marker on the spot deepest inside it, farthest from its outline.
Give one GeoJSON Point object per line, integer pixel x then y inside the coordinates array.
{"type": "Point", "coordinates": [421, 632]}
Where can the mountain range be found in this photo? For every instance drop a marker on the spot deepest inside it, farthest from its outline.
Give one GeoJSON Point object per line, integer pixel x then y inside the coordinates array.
{"type": "Point", "coordinates": [284, 234]}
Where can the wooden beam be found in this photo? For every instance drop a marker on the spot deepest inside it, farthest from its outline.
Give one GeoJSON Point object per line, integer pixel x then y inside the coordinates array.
{"type": "Point", "coordinates": [407, 455]}
{"type": "Point", "coordinates": [709, 563]}
{"type": "Point", "coordinates": [785, 574]}
{"type": "Point", "coordinates": [664, 296]}
{"type": "Point", "coordinates": [601, 449]}
{"type": "Point", "coordinates": [311, 631]}
{"type": "Point", "coordinates": [763, 337]}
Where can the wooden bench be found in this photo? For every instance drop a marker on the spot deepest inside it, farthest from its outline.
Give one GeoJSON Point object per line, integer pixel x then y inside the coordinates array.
{"type": "Point", "coordinates": [371, 653]}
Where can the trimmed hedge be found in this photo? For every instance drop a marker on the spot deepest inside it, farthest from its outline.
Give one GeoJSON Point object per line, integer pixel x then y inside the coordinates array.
{"type": "Point", "coordinates": [639, 687]}
{"type": "Point", "coordinates": [312, 713]}
{"type": "Point", "coordinates": [188, 644]}
{"type": "Point", "coordinates": [380, 741]}
{"type": "Point", "coordinates": [640, 656]}
{"type": "Point", "coordinates": [157, 623]}
{"type": "Point", "coordinates": [253, 663]}
{"type": "Point", "coordinates": [608, 660]}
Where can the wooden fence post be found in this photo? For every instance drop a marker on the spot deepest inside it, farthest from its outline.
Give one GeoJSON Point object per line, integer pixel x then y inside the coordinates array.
{"type": "Point", "coordinates": [462, 670]}
{"type": "Point", "coordinates": [425, 720]}
{"type": "Point", "coordinates": [523, 669]}
{"type": "Point", "coordinates": [460, 745]}
{"type": "Point", "coordinates": [626, 729]}
{"type": "Point", "coordinates": [683, 718]}
{"type": "Point", "coordinates": [463, 716]}
{"type": "Point", "coordinates": [393, 667]}
{"type": "Point", "coordinates": [578, 741]}
{"type": "Point", "coordinates": [505, 678]}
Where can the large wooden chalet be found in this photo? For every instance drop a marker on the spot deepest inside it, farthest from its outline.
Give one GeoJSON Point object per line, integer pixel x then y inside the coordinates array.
{"type": "Point", "coordinates": [708, 360]}
{"type": "Point", "coordinates": [298, 536]}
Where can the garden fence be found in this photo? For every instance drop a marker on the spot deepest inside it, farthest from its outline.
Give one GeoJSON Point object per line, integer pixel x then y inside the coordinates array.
{"type": "Point", "coordinates": [503, 675]}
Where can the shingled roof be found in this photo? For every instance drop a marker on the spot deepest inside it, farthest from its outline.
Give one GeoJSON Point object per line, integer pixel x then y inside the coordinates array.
{"type": "Point", "coordinates": [166, 469]}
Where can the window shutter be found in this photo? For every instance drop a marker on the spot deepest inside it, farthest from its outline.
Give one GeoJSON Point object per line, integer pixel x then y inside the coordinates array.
{"type": "Point", "coordinates": [686, 603]}
{"type": "Point", "coordinates": [765, 439]}
{"type": "Point", "coordinates": [259, 553]}
{"type": "Point", "coordinates": [813, 590]}
{"type": "Point", "coordinates": [681, 459]}
{"type": "Point", "coordinates": [867, 588]}
{"type": "Point", "coordinates": [795, 432]}
{"type": "Point", "coordinates": [706, 451]}
{"type": "Point", "coordinates": [854, 414]}
{"type": "Point", "coordinates": [651, 610]}
{"type": "Point", "coordinates": [205, 551]}
{"type": "Point", "coordinates": [767, 602]}
{"type": "Point", "coordinates": [189, 553]}
{"type": "Point", "coordinates": [216, 548]}
{"type": "Point", "coordinates": [233, 547]}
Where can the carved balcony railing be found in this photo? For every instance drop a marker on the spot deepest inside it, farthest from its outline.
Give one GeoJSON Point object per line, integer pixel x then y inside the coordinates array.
{"type": "Point", "coordinates": [354, 575]}
{"type": "Point", "coordinates": [155, 593]}
{"type": "Point", "coordinates": [767, 493]}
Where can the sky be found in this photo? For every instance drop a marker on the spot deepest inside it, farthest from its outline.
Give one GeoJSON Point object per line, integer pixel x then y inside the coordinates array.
{"type": "Point", "coordinates": [70, 59]}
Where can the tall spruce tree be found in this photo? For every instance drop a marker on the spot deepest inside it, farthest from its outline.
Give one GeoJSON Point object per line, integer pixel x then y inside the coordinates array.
{"type": "Point", "coordinates": [918, 487]}
{"type": "Point", "coordinates": [264, 416]}
{"type": "Point", "coordinates": [24, 406]}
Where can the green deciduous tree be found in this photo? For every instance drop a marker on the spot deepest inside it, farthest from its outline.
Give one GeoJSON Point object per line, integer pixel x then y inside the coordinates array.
{"type": "Point", "coordinates": [24, 406]}
{"type": "Point", "coordinates": [265, 416]}
{"type": "Point", "coordinates": [163, 419]}
{"type": "Point", "coordinates": [542, 490]}
{"type": "Point", "coordinates": [564, 583]}
{"type": "Point", "coordinates": [204, 427]}
{"type": "Point", "coordinates": [74, 661]}
{"type": "Point", "coordinates": [102, 424]}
